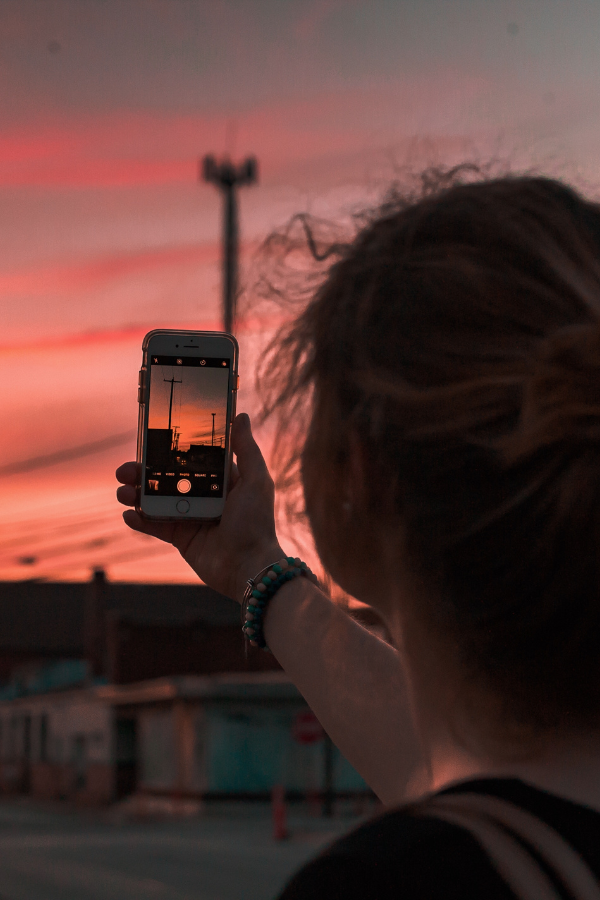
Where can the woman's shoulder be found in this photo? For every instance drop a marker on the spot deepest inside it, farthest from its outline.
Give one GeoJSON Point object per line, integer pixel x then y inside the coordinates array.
{"type": "Point", "coordinates": [402, 855]}
{"type": "Point", "coordinates": [397, 855]}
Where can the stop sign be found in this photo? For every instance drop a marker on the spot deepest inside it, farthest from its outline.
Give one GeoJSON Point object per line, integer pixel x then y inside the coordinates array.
{"type": "Point", "coordinates": [307, 729]}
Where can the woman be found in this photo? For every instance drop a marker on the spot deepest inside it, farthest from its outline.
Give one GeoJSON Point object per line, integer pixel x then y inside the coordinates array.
{"type": "Point", "coordinates": [450, 359]}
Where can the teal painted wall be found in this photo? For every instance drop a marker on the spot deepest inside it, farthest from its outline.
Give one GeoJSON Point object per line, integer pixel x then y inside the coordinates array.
{"type": "Point", "coordinates": [251, 748]}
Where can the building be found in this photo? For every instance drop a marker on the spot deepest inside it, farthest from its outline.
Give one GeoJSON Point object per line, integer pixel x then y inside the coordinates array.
{"type": "Point", "coordinates": [111, 689]}
{"type": "Point", "coordinates": [205, 456]}
{"type": "Point", "coordinates": [186, 737]}
{"type": "Point", "coordinates": [159, 446]}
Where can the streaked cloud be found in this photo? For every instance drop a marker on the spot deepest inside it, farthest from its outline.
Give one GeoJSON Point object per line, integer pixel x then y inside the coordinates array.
{"type": "Point", "coordinates": [106, 230]}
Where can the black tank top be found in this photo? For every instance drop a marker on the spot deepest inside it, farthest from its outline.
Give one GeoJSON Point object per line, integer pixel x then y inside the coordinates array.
{"type": "Point", "coordinates": [399, 856]}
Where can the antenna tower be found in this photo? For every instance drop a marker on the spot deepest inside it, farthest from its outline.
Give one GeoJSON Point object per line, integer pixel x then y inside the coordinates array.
{"type": "Point", "coordinates": [228, 177]}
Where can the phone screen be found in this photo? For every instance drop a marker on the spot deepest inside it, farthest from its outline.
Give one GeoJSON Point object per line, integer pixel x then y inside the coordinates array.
{"type": "Point", "coordinates": [187, 426]}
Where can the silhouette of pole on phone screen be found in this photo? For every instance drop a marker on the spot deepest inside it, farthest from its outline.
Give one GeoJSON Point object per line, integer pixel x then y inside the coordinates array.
{"type": "Point", "coordinates": [228, 177]}
{"type": "Point", "coordinates": [172, 381]}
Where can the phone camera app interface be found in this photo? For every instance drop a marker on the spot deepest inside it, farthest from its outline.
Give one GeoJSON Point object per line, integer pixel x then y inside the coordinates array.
{"type": "Point", "coordinates": [187, 416]}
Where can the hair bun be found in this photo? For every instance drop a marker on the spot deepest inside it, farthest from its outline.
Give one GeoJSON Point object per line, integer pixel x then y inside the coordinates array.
{"type": "Point", "coordinates": [561, 398]}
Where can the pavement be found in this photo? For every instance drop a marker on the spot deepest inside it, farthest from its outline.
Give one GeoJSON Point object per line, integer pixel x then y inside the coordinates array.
{"type": "Point", "coordinates": [225, 852]}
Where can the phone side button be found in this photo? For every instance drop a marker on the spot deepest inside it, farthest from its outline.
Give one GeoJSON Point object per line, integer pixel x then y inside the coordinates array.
{"type": "Point", "coordinates": [182, 507]}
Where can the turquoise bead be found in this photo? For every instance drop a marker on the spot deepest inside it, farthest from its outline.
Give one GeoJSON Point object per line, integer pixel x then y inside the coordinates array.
{"type": "Point", "coordinates": [256, 594]}
{"type": "Point", "coordinates": [277, 568]}
{"type": "Point", "coordinates": [266, 581]}
{"type": "Point", "coordinates": [290, 560]}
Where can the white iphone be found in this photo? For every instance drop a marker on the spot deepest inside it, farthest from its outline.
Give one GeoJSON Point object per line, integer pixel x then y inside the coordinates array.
{"type": "Point", "coordinates": [187, 391]}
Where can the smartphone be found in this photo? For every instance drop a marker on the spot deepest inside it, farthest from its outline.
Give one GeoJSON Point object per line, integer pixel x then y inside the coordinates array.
{"type": "Point", "coordinates": [187, 395]}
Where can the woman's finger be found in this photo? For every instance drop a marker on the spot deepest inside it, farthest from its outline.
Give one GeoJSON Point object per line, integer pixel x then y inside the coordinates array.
{"type": "Point", "coordinates": [251, 463]}
{"type": "Point", "coordinates": [164, 531]}
{"type": "Point", "coordinates": [127, 494]}
{"type": "Point", "coordinates": [128, 473]}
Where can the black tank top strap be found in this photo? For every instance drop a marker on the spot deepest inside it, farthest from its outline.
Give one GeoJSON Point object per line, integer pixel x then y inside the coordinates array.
{"type": "Point", "coordinates": [515, 841]}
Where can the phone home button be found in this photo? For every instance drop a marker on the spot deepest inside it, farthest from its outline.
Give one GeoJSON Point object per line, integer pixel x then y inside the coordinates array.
{"type": "Point", "coordinates": [182, 506]}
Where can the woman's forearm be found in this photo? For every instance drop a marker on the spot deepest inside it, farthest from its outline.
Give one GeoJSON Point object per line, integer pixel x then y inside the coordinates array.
{"type": "Point", "coordinates": [353, 682]}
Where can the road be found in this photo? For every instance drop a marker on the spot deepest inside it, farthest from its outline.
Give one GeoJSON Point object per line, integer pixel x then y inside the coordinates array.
{"type": "Point", "coordinates": [226, 853]}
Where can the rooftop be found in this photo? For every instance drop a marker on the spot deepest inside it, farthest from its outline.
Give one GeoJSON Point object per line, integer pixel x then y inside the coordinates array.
{"type": "Point", "coordinates": [48, 617]}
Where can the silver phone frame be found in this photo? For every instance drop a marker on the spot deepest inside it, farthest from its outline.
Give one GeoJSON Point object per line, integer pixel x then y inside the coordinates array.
{"type": "Point", "coordinates": [202, 509]}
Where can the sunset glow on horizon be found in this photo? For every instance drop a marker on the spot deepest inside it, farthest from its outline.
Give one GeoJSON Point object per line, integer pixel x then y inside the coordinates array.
{"type": "Point", "coordinates": [107, 232]}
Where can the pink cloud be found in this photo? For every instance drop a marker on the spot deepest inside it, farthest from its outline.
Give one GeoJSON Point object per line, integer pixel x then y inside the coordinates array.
{"type": "Point", "coordinates": [123, 150]}
{"type": "Point", "coordinates": [113, 337]}
{"type": "Point", "coordinates": [67, 278]}
{"type": "Point", "coordinates": [101, 173]}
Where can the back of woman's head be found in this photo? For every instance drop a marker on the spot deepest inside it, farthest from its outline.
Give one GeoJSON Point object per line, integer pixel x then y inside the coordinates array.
{"type": "Point", "coordinates": [456, 337]}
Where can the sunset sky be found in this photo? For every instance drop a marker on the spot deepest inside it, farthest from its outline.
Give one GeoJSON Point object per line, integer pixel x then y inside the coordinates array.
{"type": "Point", "coordinates": [105, 231]}
{"type": "Point", "coordinates": [201, 393]}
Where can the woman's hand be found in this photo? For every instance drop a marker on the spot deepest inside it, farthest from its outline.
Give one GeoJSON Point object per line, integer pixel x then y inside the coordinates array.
{"type": "Point", "coordinates": [226, 554]}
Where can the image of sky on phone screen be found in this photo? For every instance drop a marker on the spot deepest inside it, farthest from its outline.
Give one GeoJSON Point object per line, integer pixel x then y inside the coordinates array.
{"type": "Point", "coordinates": [187, 422]}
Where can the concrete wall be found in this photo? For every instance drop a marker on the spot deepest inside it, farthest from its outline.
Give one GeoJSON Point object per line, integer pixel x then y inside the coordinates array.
{"type": "Point", "coordinates": [172, 749]}
{"type": "Point", "coordinates": [158, 764]}
{"type": "Point", "coordinates": [57, 746]}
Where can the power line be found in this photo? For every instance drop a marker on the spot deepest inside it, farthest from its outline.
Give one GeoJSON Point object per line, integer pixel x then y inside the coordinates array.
{"type": "Point", "coordinates": [52, 529]}
{"type": "Point", "coordinates": [85, 557]}
{"type": "Point", "coordinates": [131, 556]}
{"type": "Point", "coordinates": [54, 572]}
{"type": "Point", "coordinates": [53, 459]}
{"type": "Point", "coordinates": [91, 542]}
{"type": "Point", "coordinates": [65, 511]}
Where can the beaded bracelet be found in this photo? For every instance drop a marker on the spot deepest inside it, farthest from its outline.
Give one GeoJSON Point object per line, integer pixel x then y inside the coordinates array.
{"type": "Point", "coordinates": [259, 591]}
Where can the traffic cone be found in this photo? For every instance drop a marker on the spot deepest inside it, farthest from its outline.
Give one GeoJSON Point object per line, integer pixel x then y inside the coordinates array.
{"type": "Point", "coordinates": [279, 813]}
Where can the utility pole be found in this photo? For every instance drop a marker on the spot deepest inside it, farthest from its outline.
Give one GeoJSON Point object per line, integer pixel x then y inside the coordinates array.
{"type": "Point", "coordinates": [172, 381]}
{"type": "Point", "coordinates": [228, 177]}
{"type": "Point", "coordinates": [212, 440]}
